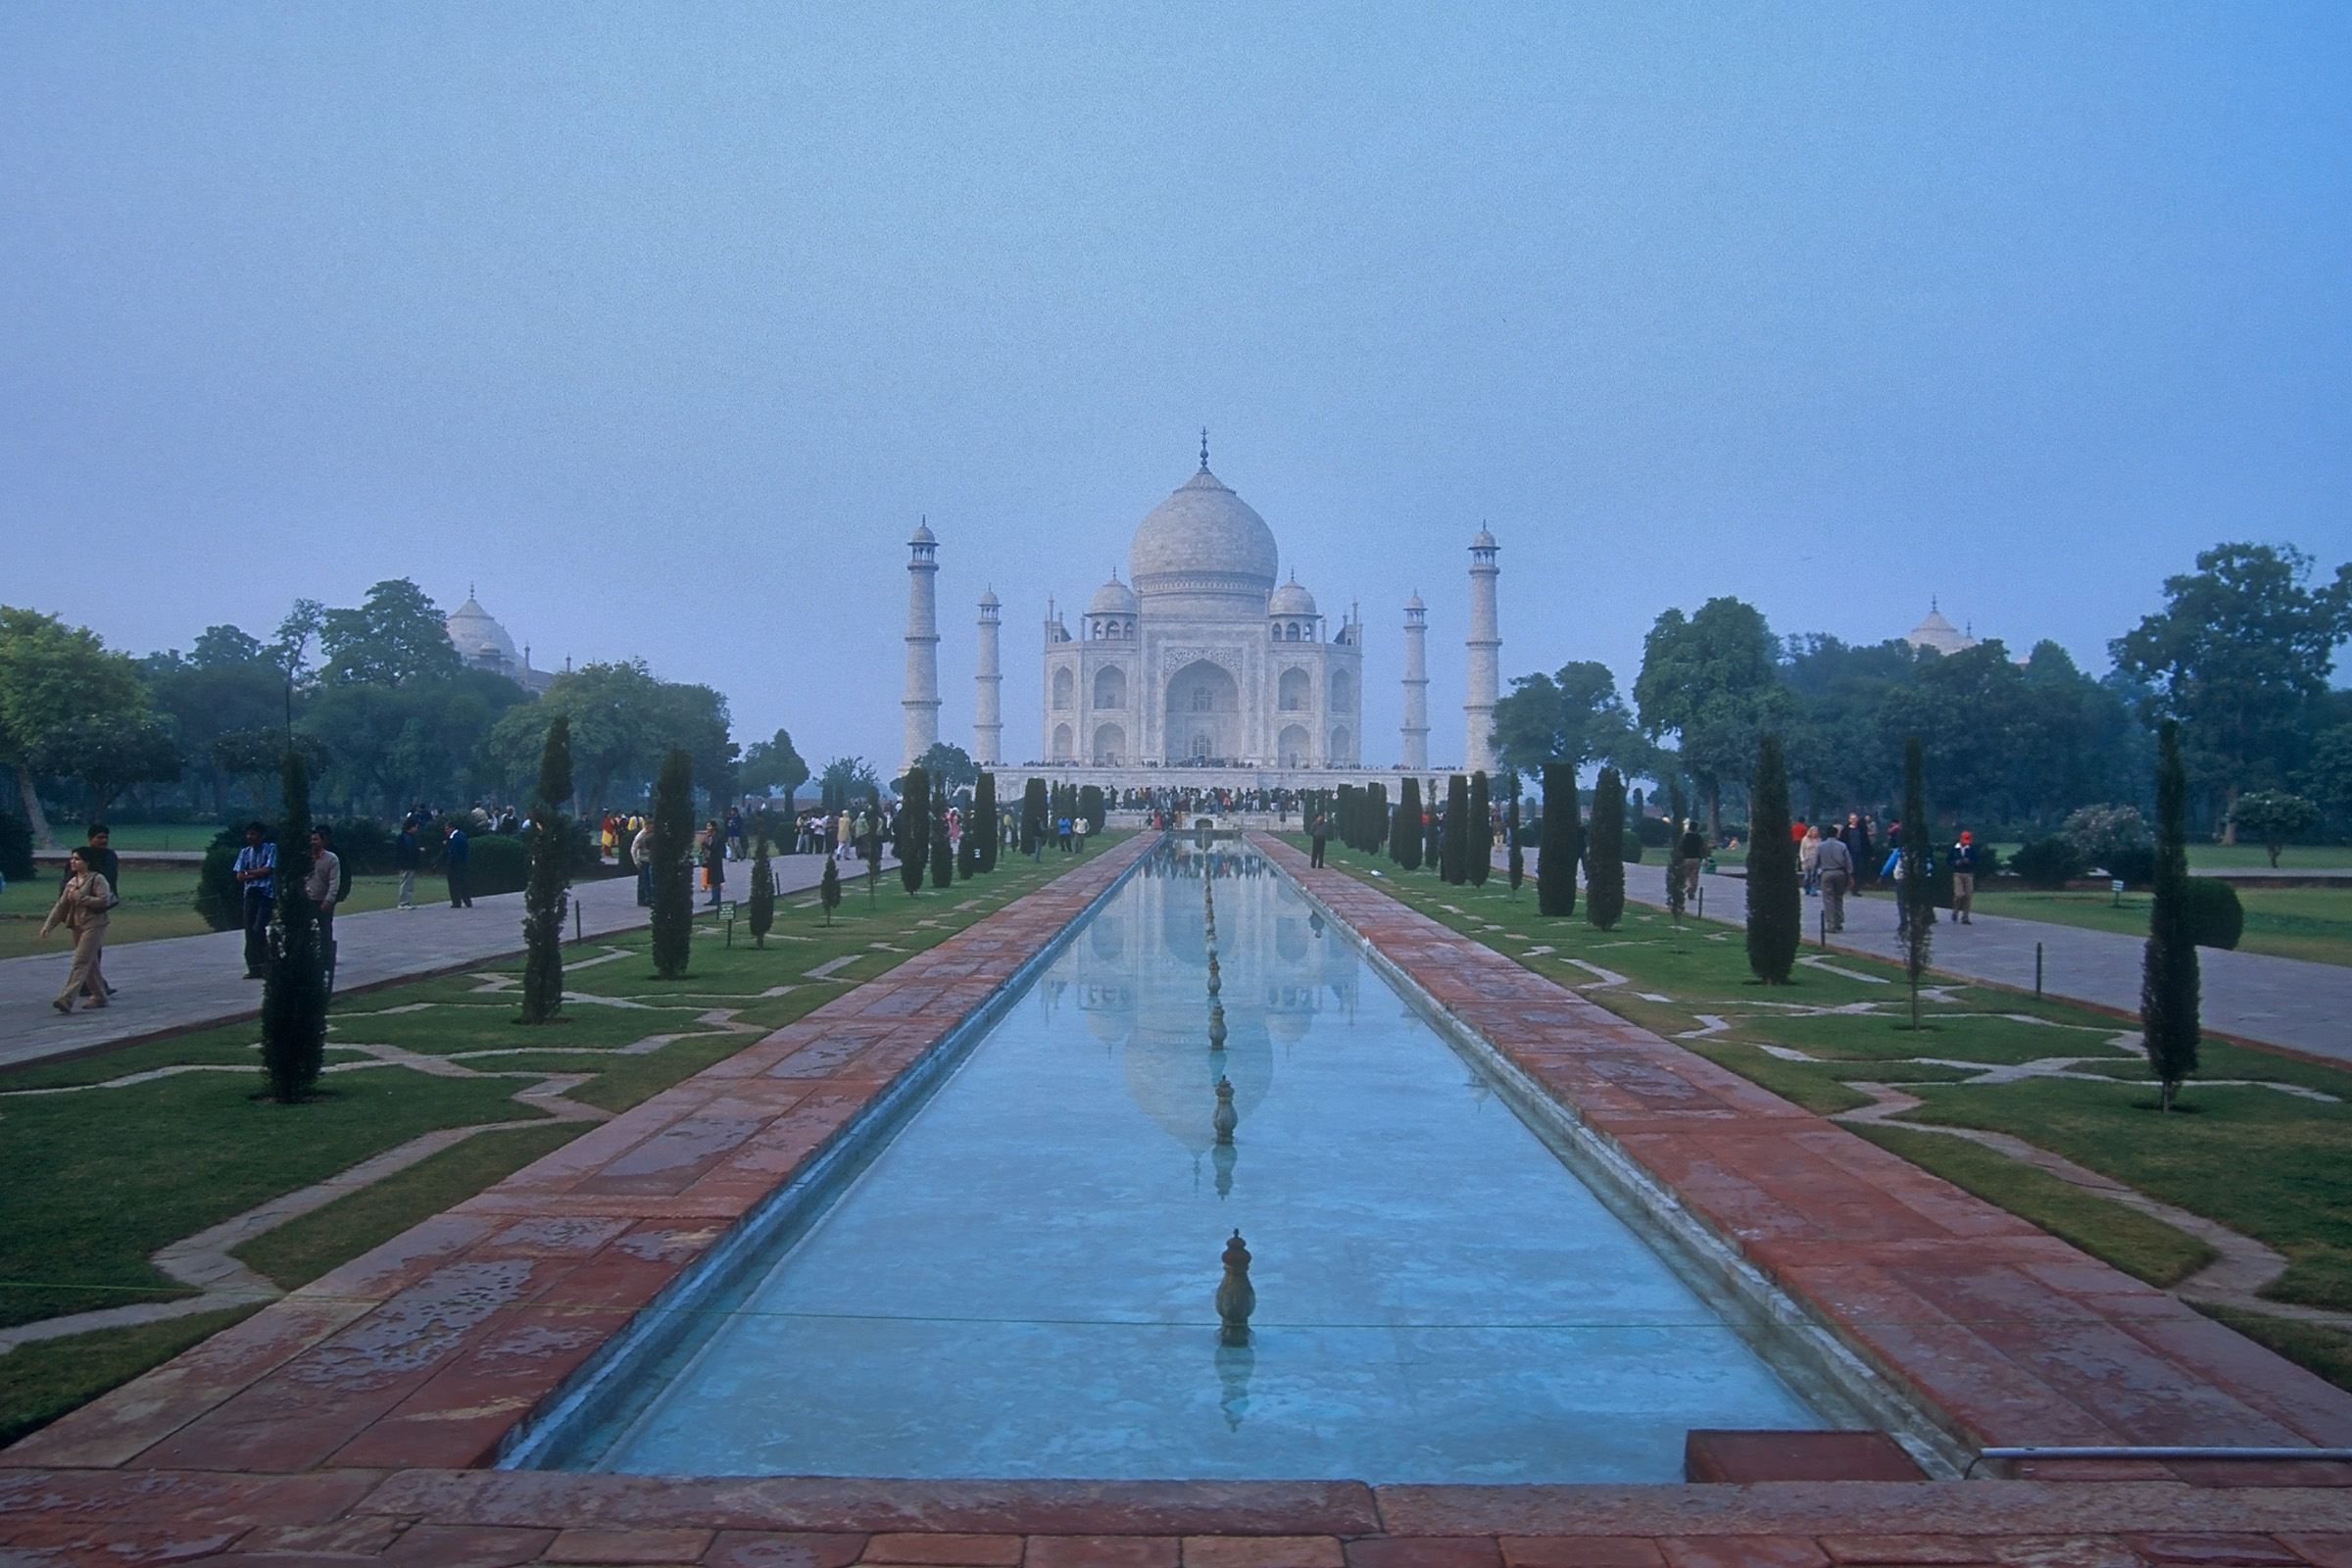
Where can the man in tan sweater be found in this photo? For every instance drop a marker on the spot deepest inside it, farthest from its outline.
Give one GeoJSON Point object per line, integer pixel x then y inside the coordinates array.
{"type": "Point", "coordinates": [81, 907]}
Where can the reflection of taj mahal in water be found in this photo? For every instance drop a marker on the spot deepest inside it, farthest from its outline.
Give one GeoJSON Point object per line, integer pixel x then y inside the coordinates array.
{"type": "Point", "coordinates": [1203, 660]}
{"type": "Point", "coordinates": [1117, 974]}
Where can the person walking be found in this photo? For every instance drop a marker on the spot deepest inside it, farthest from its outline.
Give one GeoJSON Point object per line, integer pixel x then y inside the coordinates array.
{"type": "Point", "coordinates": [1964, 878]}
{"type": "Point", "coordinates": [456, 851]}
{"type": "Point", "coordinates": [734, 833]}
{"type": "Point", "coordinates": [1322, 833]}
{"type": "Point", "coordinates": [324, 887]}
{"type": "Point", "coordinates": [256, 873]}
{"type": "Point", "coordinates": [81, 908]}
{"type": "Point", "coordinates": [408, 857]}
{"type": "Point", "coordinates": [641, 851]}
{"type": "Point", "coordinates": [1694, 855]}
{"type": "Point", "coordinates": [1834, 865]}
{"type": "Point", "coordinates": [715, 860]}
{"type": "Point", "coordinates": [1808, 859]}
{"type": "Point", "coordinates": [107, 864]}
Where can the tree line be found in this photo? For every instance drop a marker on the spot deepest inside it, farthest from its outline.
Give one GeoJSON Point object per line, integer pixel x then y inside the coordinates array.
{"type": "Point", "coordinates": [2239, 658]}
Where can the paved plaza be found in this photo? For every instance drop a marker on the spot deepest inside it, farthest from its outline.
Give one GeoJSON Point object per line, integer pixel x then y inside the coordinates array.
{"type": "Point", "coordinates": [182, 983]}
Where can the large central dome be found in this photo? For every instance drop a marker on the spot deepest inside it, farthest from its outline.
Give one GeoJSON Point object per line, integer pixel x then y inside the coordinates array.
{"type": "Point", "coordinates": [1203, 539]}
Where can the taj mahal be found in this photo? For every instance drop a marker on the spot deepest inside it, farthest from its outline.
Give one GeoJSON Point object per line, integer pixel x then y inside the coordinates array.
{"type": "Point", "coordinates": [1204, 658]}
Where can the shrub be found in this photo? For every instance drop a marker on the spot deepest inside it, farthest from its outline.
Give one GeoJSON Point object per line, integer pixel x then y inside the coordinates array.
{"type": "Point", "coordinates": [672, 921]}
{"type": "Point", "coordinates": [2049, 863]}
{"type": "Point", "coordinates": [1629, 851]}
{"type": "Point", "coordinates": [2171, 986]}
{"type": "Point", "coordinates": [2101, 835]}
{"type": "Point", "coordinates": [1776, 916]}
{"type": "Point", "coordinates": [219, 899]}
{"type": "Point", "coordinates": [498, 862]}
{"type": "Point", "coordinates": [1651, 831]}
{"type": "Point", "coordinates": [1561, 844]}
{"type": "Point", "coordinates": [2273, 816]}
{"type": "Point", "coordinates": [1089, 807]}
{"type": "Point", "coordinates": [363, 843]}
{"type": "Point", "coordinates": [15, 847]}
{"type": "Point", "coordinates": [1604, 854]}
{"type": "Point", "coordinates": [2215, 917]}
{"type": "Point", "coordinates": [1405, 845]}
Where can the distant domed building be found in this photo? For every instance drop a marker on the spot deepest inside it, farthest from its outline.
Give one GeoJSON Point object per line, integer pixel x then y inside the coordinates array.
{"type": "Point", "coordinates": [1939, 634]}
{"type": "Point", "coordinates": [483, 644]}
{"type": "Point", "coordinates": [1203, 659]}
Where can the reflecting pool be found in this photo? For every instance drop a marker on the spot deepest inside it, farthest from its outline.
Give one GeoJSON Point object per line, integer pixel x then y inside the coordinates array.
{"type": "Point", "coordinates": [1021, 1284]}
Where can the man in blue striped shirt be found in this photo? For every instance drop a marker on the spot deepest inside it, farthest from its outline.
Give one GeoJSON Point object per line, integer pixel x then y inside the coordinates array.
{"type": "Point", "coordinates": [255, 872]}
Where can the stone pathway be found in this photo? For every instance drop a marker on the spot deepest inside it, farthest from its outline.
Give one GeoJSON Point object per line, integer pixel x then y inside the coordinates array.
{"type": "Point", "coordinates": [2250, 997]}
{"type": "Point", "coordinates": [181, 983]}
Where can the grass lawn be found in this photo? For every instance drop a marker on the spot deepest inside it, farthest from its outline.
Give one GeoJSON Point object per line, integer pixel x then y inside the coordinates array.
{"type": "Point", "coordinates": [154, 904]}
{"type": "Point", "coordinates": [107, 1171]}
{"type": "Point", "coordinates": [2311, 923]}
{"type": "Point", "coordinates": [2270, 1155]}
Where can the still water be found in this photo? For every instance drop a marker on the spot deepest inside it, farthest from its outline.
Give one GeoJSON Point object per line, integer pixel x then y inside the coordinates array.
{"type": "Point", "coordinates": [1021, 1284]}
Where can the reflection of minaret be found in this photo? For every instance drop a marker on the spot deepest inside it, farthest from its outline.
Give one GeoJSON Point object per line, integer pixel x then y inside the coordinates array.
{"type": "Point", "coordinates": [1485, 642]}
{"type": "Point", "coordinates": [988, 712]}
{"type": "Point", "coordinates": [921, 701]}
{"type": "Point", "coordinates": [1416, 684]}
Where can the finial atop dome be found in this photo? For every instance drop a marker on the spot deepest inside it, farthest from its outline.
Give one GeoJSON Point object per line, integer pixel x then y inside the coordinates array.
{"type": "Point", "coordinates": [1205, 449]}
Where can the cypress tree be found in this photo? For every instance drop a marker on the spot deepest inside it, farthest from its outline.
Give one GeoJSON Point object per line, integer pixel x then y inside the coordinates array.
{"type": "Point", "coordinates": [914, 828]}
{"type": "Point", "coordinates": [1376, 826]}
{"type": "Point", "coordinates": [1515, 857]}
{"type": "Point", "coordinates": [1393, 841]}
{"type": "Point", "coordinates": [294, 978]}
{"type": "Point", "coordinates": [984, 813]}
{"type": "Point", "coordinates": [1408, 825]}
{"type": "Point", "coordinates": [1033, 818]}
{"type": "Point", "coordinates": [1091, 807]}
{"type": "Point", "coordinates": [1676, 868]}
{"type": "Point", "coordinates": [1347, 815]}
{"type": "Point", "coordinates": [543, 896]}
{"type": "Point", "coordinates": [1480, 828]}
{"type": "Point", "coordinates": [1433, 832]}
{"type": "Point", "coordinates": [1915, 891]}
{"type": "Point", "coordinates": [967, 851]}
{"type": "Point", "coordinates": [942, 853]}
{"type": "Point", "coordinates": [764, 878]}
{"type": "Point", "coordinates": [673, 878]}
{"type": "Point", "coordinates": [1604, 853]}
{"type": "Point", "coordinates": [828, 891]}
{"type": "Point", "coordinates": [1456, 847]}
{"type": "Point", "coordinates": [2170, 980]}
{"type": "Point", "coordinates": [1556, 856]}
{"type": "Point", "coordinates": [1775, 904]}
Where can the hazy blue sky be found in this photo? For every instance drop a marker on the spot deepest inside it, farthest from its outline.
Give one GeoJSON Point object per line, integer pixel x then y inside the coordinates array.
{"type": "Point", "coordinates": [663, 326]}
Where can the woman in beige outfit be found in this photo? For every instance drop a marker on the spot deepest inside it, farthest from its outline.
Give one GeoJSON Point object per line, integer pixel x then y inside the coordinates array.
{"type": "Point", "coordinates": [81, 905]}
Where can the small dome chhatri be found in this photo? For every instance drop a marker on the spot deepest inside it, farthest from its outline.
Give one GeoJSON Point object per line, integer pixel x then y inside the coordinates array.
{"type": "Point", "coordinates": [1203, 538]}
{"type": "Point", "coordinates": [1291, 600]}
{"type": "Point", "coordinates": [1113, 598]}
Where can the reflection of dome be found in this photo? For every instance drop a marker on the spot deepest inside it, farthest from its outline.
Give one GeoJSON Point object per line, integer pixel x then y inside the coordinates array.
{"type": "Point", "coordinates": [1203, 538]}
{"type": "Point", "coordinates": [1291, 600]}
{"type": "Point", "coordinates": [1113, 598]}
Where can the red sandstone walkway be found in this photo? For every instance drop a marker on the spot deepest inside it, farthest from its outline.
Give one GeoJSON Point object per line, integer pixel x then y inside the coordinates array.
{"type": "Point", "coordinates": [340, 1425]}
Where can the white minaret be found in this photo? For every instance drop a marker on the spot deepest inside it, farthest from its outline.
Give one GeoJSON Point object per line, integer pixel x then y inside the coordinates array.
{"type": "Point", "coordinates": [1416, 685]}
{"type": "Point", "coordinates": [988, 700]}
{"type": "Point", "coordinates": [922, 643]}
{"type": "Point", "coordinates": [1485, 643]}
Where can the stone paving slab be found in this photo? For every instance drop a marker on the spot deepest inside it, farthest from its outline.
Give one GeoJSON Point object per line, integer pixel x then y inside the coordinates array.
{"type": "Point", "coordinates": [2290, 1004]}
{"type": "Point", "coordinates": [2007, 1334]}
{"type": "Point", "coordinates": [429, 1349]}
{"type": "Point", "coordinates": [180, 983]}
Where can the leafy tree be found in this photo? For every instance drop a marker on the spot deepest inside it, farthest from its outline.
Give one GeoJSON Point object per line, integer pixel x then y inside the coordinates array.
{"type": "Point", "coordinates": [673, 878]}
{"type": "Point", "coordinates": [1575, 716]}
{"type": "Point", "coordinates": [914, 828]}
{"type": "Point", "coordinates": [227, 648]}
{"type": "Point", "coordinates": [1916, 891]}
{"type": "Point", "coordinates": [106, 754]}
{"type": "Point", "coordinates": [1479, 824]}
{"type": "Point", "coordinates": [1969, 709]}
{"type": "Point", "coordinates": [984, 821]}
{"type": "Point", "coordinates": [53, 675]}
{"type": "Point", "coordinates": [846, 780]}
{"type": "Point", "coordinates": [544, 895]}
{"type": "Point", "coordinates": [289, 655]}
{"type": "Point", "coordinates": [1408, 825]}
{"type": "Point", "coordinates": [1456, 850]}
{"type": "Point", "coordinates": [2272, 817]}
{"type": "Point", "coordinates": [2328, 778]}
{"type": "Point", "coordinates": [213, 695]}
{"type": "Point", "coordinates": [251, 753]}
{"type": "Point", "coordinates": [949, 767]}
{"type": "Point", "coordinates": [1604, 853]}
{"type": "Point", "coordinates": [772, 767]}
{"type": "Point", "coordinates": [763, 876]}
{"type": "Point", "coordinates": [2240, 655]}
{"type": "Point", "coordinates": [1562, 843]}
{"type": "Point", "coordinates": [395, 638]}
{"type": "Point", "coordinates": [1776, 907]}
{"type": "Point", "coordinates": [828, 891]}
{"type": "Point", "coordinates": [2111, 836]}
{"type": "Point", "coordinates": [1713, 681]}
{"type": "Point", "coordinates": [395, 744]}
{"type": "Point", "coordinates": [294, 977]}
{"type": "Point", "coordinates": [2170, 982]}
